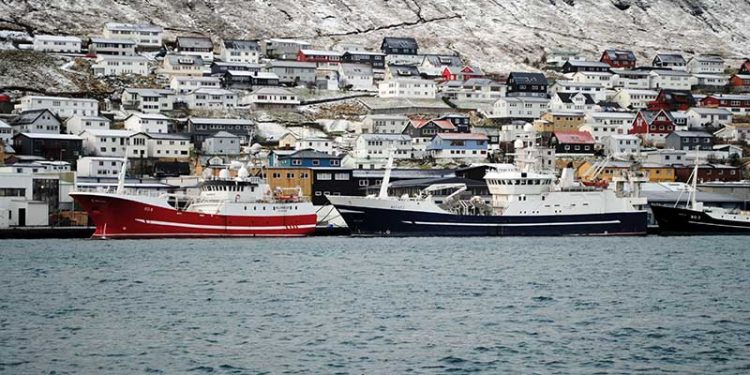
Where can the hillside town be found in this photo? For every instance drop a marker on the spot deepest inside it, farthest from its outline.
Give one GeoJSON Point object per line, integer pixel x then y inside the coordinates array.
{"type": "Point", "coordinates": [327, 119]}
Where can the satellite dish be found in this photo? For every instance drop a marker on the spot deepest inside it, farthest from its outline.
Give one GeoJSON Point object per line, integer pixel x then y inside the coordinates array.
{"type": "Point", "coordinates": [518, 144]}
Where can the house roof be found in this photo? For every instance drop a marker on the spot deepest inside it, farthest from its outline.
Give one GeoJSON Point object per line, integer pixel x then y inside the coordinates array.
{"type": "Point", "coordinates": [568, 97]}
{"type": "Point", "coordinates": [176, 136]}
{"type": "Point", "coordinates": [3, 124]}
{"type": "Point", "coordinates": [120, 58]}
{"type": "Point", "coordinates": [678, 96]}
{"type": "Point", "coordinates": [30, 116]}
{"type": "Point", "coordinates": [309, 154]}
{"type": "Point", "coordinates": [459, 69]}
{"type": "Point", "coordinates": [211, 91]}
{"type": "Point", "coordinates": [463, 136]}
{"type": "Point", "coordinates": [223, 121]}
{"type": "Point", "coordinates": [481, 82]}
{"type": "Point", "coordinates": [400, 42]}
{"type": "Point", "coordinates": [359, 69]}
{"type": "Point", "coordinates": [574, 137]}
{"type": "Point", "coordinates": [650, 116]}
{"type": "Point", "coordinates": [58, 38]}
{"type": "Point", "coordinates": [244, 45]}
{"type": "Point", "coordinates": [730, 96]}
{"type": "Point", "coordinates": [670, 58]}
{"type": "Point", "coordinates": [109, 132]}
{"type": "Point", "coordinates": [318, 52]}
{"type": "Point", "coordinates": [666, 72]}
{"type": "Point", "coordinates": [147, 27]}
{"type": "Point", "coordinates": [272, 91]}
{"type": "Point", "coordinates": [68, 137]}
{"type": "Point", "coordinates": [149, 116]}
{"type": "Point", "coordinates": [223, 134]}
{"type": "Point", "coordinates": [690, 134]}
{"type": "Point", "coordinates": [149, 92]}
{"type": "Point", "coordinates": [403, 70]}
{"type": "Point", "coordinates": [100, 40]}
{"type": "Point", "coordinates": [710, 111]}
{"type": "Point", "coordinates": [175, 59]}
{"type": "Point", "coordinates": [442, 60]}
{"type": "Point", "coordinates": [620, 54]}
{"type": "Point", "coordinates": [589, 64]}
{"type": "Point", "coordinates": [262, 75]}
{"type": "Point", "coordinates": [528, 78]}
{"type": "Point", "coordinates": [292, 64]}
{"type": "Point", "coordinates": [385, 137]}
{"type": "Point", "coordinates": [708, 58]}
{"type": "Point", "coordinates": [194, 42]}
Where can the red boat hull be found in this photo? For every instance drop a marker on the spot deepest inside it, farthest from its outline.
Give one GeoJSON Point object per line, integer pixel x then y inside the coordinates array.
{"type": "Point", "coordinates": [122, 216]}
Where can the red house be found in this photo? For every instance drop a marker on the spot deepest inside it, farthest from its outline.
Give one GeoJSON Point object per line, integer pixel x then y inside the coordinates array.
{"type": "Point", "coordinates": [737, 104]}
{"type": "Point", "coordinates": [619, 58]}
{"type": "Point", "coordinates": [319, 57]}
{"type": "Point", "coordinates": [708, 172]}
{"type": "Point", "coordinates": [740, 82]}
{"type": "Point", "coordinates": [453, 73]}
{"type": "Point", "coordinates": [653, 126]}
{"type": "Point", "coordinates": [672, 100]}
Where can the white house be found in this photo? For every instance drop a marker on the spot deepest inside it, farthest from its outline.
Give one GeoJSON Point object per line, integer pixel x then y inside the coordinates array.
{"type": "Point", "coordinates": [705, 65]}
{"type": "Point", "coordinates": [670, 79]}
{"type": "Point", "coordinates": [271, 97]}
{"type": "Point", "coordinates": [357, 76]}
{"type": "Point", "coordinates": [18, 206]}
{"type": "Point", "coordinates": [734, 133]}
{"type": "Point", "coordinates": [143, 34]}
{"type": "Point", "coordinates": [711, 80]}
{"type": "Point", "coordinates": [36, 121]}
{"type": "Point", "coordinates": [199, 46]}
{"type": "Point", "coordinates": [599, 131]}
{"type": "Point", "coordinates": [147, 123]}
{"type": "Point", "coordinates": [602, 124]}
{"type": "Point", "coordinates": [700, 117]}
{"type": "Point", "coordinates": [380, 146]}
{"type": "Point", "coordinates": [61, 107]}
{"type": "Point", "coordinates": [57, 43]}
{"type": "Point", "coordinates": [105, 46]}
{"type": "Point", "coordinates": [596, 90]}
{"type": "Point", "coordinates": [293, 72]}
{"type": "Point", "coordinates": [105, 142]}
{"type": "Point", "coordinates": [384, 124]}
{"type": "Point", "coordinates": [221, 143]}
{"type": "Point", "coordinates": [148, 100]}
{"type": "Point", "coordinates": [517, 130]}
{"type": "Point", "coordinates": [315, 143]}
{"type": "Point", "coordinates": [572, 102]}
{"type": "Point", "coordinates": [211, 98]}
{"type": "Point", "coordinates": [479, 89]}
{"type": "Point", "coordinates": [6, 133]}
{"type": "Point", "coordinates": [185, 84]}
{"type": "Point", "coordinates": [519, 107]}
{"type": "Point", "coordinates": [452, 146]}
{"type": "Point", "coordinates": [168, 146]}
{"type": "Point", "coordinates": [111, 65]}
{"type": "Point", "coordinates": [622, 146]}
{"type": "Point", "coordinates": [603, 78]}
{"type": "Point", "coordinates": [98, 166]}
{"type": "Point", "coordinates": [634, 99]}
{"type": "Point", "coordinates": [408, 88]}
{"type": "Point", "coordinates": [241, 51]}
{"type": "Point", "coordinates": [631, 79]}
{"type": "Point", "coordinates": [77, 124]}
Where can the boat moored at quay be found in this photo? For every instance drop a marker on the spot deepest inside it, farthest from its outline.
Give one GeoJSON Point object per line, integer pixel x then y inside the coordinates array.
{"type": "Point", "coordinates": [239, 207]}
{"type": "Point", "coordinates": [523, 202]}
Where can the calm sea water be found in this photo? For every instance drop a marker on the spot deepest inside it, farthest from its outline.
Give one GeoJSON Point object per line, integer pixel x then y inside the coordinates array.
{"type": "Point", "coordinates": [376, 306]}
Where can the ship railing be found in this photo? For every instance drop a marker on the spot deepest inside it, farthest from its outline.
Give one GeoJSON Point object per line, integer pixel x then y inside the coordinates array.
{"type": "Point", "coordinates": [113, 190]}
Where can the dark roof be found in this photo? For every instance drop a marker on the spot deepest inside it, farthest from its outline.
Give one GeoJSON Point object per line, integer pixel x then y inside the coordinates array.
{"type": "Point", "coordinates": [403, 70]}
{"type": "Point", "coordinates": [194, 42]}
{"type": "Point", "coordinates": [528, 78]}
{"type": "Point", "coordinates": [245, 45]}
{"type": "Point", "coordinates": [650, 116]}
{"type": "Point", "coordinates": [30, 116]}
{"type": "Point", "coordinates": [567, 97]}
{"type": "Point", "coordinates": [674, 58]}
{"type": "Point", "coordinates": [620, 54]}
{"type": "Point", "coordinates": [609, 105]}
{"type": "Point", "coordinates": [393, 42]}
{"type": "Point", "coordinates": [691, 134]}
{"type": "Point", "coordinates": [679, 96]}
{"type": "Point", "coordinates": [309, 154]}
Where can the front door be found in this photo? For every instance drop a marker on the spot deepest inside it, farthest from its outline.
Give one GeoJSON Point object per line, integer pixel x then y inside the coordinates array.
{"type": "Point", "coordinates": [21, 217]}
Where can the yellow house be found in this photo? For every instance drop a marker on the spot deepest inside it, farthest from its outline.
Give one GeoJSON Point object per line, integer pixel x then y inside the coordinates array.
{"type": "Point", "coordinates": [656, 172]}
{"type": "Point", "coordinates": [290, 178]}
{"type": "Point", "coordinates": [559, 121]}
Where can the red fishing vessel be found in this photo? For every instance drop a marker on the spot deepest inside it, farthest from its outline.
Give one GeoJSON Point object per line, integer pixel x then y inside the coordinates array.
{"type": "Point", "coordinates": [240, 207]}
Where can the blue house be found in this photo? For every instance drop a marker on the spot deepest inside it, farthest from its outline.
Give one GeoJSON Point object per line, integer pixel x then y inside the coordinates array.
{"type": "Point", "coordinates": [458, 146]}
{"type": "Point", "coordinates": [302, 158]}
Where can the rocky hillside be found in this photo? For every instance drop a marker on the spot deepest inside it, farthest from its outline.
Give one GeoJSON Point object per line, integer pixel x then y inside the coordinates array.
{"type": "Point", "coordinates": [497, 34]}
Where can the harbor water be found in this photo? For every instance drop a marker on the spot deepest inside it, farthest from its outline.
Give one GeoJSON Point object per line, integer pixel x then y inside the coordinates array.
{"type": "Point", "coordinates": [338, 305]}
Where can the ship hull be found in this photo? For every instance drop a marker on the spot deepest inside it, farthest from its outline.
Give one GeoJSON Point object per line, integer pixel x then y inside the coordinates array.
{"type": "Point", "coordinates": [683, 221]}
{"type": "Point", "coordinates": [123, 216]}
{"type": "Point", "coordinates": [375, 221]}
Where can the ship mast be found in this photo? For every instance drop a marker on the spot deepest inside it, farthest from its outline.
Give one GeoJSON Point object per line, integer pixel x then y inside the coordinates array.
{"type": "Point", "coordinates": [386, 177]}
{"type": "Point", "coordinates": [123, 172]}
{"type": "Point", "coordinates": [694, 192]}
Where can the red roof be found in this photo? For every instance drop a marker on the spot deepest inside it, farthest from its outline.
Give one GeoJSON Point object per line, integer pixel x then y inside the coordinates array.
{"type": "Point", "coordinates": [444, 124]}
{"type": "Point", "coordinates": [574, 137]}
{"type": "Point", "coordinates": [4, 98]}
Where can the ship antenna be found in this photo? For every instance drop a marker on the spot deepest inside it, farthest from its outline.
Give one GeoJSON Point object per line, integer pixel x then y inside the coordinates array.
{"type": "Point", "coordinates": [694, 193]}
{"type": "Point", "coordinates": [387, 176]}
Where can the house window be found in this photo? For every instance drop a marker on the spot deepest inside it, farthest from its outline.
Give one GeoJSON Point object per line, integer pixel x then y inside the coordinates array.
{"type": "Point", "coordinates": [324, 177]}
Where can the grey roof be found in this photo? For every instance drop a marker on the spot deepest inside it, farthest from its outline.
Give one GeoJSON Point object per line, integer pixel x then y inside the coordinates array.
{"type": "Point", "coordinates": [30, 116]}
{"type": "Point", "coordinates": [100, 40]}
{"type": "Point", "coordinates": [443, 60]}
{"type": "Point", "coordinates": [223, 134]}
{"type": "Point", "coordinates": [583, 63]}
{"type": "Point", "coordinates": [194, 42]}
{"type": "Point", "coordinates": [385, 137]}
{"type": "Point", "coordinates": [482, 82]}
{"type": "Point", "coordinates": [650, 116]}
{"type": "Point", "coordinates": [244, 45]}
{"type": "Point", "coordinates": [176, 136]}
{"type": "Point", "coordinates": [670, 58]}
{"type": "Point", "coordinates": [185, 60]}
{"type": "Point", "coordinates": [292, 64]}
{"type": "Point", "coordinates": [309, 153]}
{"type": "Point", "coordinates": [528, 78]}
{"type": "Point", "coordinates": [620, 54]}
{"type": "Point", "coordinates": [223, 121]}
{"type": "Point", "coordinates": [691, 134]}
{"type": "Point", "coordinates": [403, 70]}
{"type": "Point", "coordinates": [358, 69]}
{"type": "Point", "coordinates": [394, 42]}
